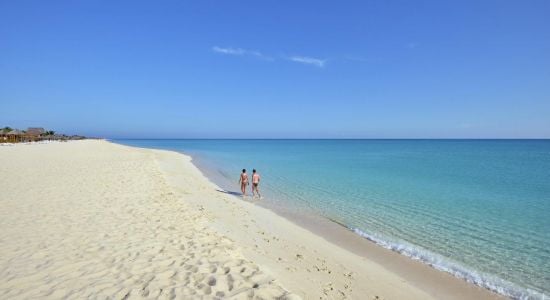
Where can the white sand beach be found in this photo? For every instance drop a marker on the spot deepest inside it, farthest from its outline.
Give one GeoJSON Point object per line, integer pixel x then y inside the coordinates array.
{"type": "Point", "coordinates": [95, 219]}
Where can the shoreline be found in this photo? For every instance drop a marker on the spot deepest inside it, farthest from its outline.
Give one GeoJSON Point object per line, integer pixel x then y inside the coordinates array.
{"type": "Point", "coordinates": [383, 252]}
{"type": "Point", "coordinates": [411, 269]}
{"type": "Point", "coordinates": [437, 283]}
{"type": "Point", "coordinates": [97, 218]}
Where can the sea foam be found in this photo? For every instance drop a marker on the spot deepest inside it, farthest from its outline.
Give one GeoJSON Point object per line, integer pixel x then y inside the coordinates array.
{"type": "Point", "coordinates": [438, 262]}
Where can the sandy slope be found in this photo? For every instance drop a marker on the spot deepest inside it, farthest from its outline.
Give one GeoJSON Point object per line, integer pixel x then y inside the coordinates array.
{"type": "Point", "coordinates": [94, 219]}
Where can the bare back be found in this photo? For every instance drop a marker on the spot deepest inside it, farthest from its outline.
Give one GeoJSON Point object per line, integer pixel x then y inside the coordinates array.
{"type": "Point", "coordinates": [244, 178]}
{"type": "Point", "coordinates": [256, 178]}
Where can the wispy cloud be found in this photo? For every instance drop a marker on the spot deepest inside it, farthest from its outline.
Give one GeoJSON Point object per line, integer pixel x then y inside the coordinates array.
{"type": "Point", "coordinates": [308, 61]}
{"type": "Point", "coordinates": [232, 51]}
{"type": "Point", "coordinates": [244, 52]}
{"type": "Point", "coordinates": [240, 51]}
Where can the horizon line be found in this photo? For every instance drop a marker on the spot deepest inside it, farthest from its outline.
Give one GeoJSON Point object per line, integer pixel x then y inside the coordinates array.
{"type": "Point", "coordinates": [329, 138]}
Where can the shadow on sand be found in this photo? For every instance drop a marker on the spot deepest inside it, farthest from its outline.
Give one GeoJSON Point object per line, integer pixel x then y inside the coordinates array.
{"type": "Point", "coordinates": [229, 192]}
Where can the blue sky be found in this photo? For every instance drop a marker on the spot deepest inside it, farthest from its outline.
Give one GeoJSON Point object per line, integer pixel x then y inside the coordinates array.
{"type": "Point", "coordinates": [272, 69]}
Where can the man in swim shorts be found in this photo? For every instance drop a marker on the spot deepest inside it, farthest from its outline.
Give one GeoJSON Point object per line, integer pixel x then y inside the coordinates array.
{"type": "Point", "coordinates": [243, 180]}
{"type": "Point", "coordinates": [255, 183]}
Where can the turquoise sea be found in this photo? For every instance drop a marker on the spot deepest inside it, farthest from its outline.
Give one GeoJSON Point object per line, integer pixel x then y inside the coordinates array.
{"type": "Point", "coordinates": [479, 209]}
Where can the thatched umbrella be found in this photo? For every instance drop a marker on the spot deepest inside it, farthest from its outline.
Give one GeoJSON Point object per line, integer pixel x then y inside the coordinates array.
{"type": "Point", "coordinates": [14, 136]}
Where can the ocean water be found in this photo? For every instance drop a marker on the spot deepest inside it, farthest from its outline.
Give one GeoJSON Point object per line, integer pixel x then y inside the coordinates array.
{"type": "Point", "coordinates": [479, 209]}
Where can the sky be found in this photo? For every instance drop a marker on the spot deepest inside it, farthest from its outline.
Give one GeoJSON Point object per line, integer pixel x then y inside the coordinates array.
{"type": "Point", "coordinates": [277, 69]}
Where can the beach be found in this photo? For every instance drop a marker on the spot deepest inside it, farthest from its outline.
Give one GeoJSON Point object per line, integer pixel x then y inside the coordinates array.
{"type": "Point", "coordinates": [97, 219]}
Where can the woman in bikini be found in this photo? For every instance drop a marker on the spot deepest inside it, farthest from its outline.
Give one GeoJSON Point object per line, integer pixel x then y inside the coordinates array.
{"type": "Point", "coordinates": [255, 183]}
{"type": "Point", "coordinates": [243, 180]}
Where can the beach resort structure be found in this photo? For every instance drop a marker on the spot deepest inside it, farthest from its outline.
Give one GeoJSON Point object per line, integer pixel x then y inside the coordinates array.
{"type": "Point", "coordinates": [12, 136]}
{"type": "Point", "coordinates": [33, 134]}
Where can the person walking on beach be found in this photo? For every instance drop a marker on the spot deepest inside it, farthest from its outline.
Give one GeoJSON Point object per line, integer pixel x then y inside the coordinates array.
{"type": "Point", "coordinates": [243, 180]}
{"type": "Point", "coordinates": [255, 183]}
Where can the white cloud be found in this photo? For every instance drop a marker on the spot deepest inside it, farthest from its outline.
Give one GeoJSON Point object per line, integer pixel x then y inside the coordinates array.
{"type": "Point", "coordinates": [232, 51]}
{"type": "Point", "coordinates": [243, 52]}
{"type": "Point", "coordinates": [308, 60]}
{"type": "Point", "coordinates": [240, 51]}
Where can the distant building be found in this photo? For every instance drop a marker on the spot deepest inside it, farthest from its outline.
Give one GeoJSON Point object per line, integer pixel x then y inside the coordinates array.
{"type": "Point", "coordinates": [35, 131]}
{"type": "Point", "coordinates": [12, 136]}
{"type": "Point", "coordinates": [33, 134]}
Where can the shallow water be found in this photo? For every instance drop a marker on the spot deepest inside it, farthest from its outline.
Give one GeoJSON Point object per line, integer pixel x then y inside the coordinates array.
{"type": "Point", "coordinates": [479, 209]}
